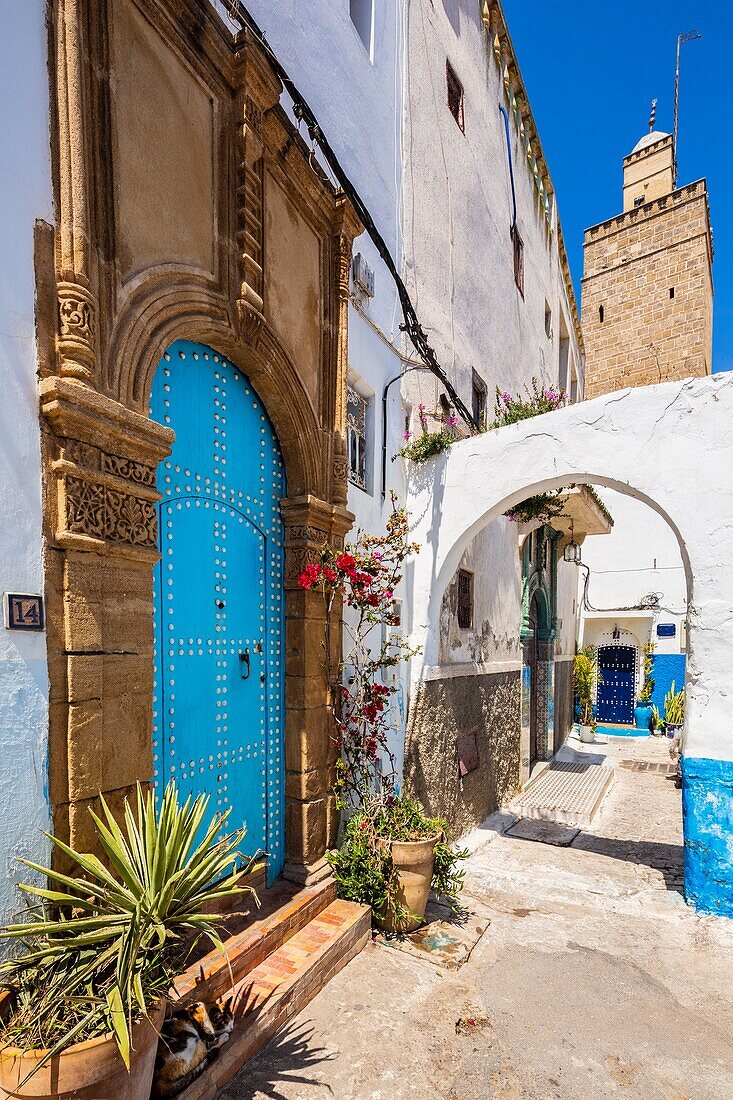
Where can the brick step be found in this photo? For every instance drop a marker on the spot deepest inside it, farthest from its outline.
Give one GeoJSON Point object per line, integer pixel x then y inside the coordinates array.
{"type": "Point", "coordinates": [213, 975]}
{"type": "Point", "coordinates": [282, 985]}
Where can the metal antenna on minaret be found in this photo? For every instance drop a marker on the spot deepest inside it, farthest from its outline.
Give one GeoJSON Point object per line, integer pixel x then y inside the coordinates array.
{"type": "Point", "coordinates": [653, 115]}
{"type": "Point", "coordinates": [689, 36]}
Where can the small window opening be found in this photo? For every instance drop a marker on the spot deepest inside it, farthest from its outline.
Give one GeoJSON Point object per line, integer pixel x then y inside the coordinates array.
{"type": "Point", "coordinates": [455, 96]}
{"type": "Point", "coordinates": [548, 321]}
{"type": "Point", "coordinates": [478, 401]}
{"type": "Point", "coordinates": [600, 314]}
{"type": "Point", "coordinates": [356, 429]}
{"type": "Point", "coordinates": [671, 292]}
{"type": "Point", "coordinates": [518, 260]}
{"type": "Point", "coordinates": [465, 599]}
{"type": "Point", "coordinates": [362, 16]}
{"type": "Point", "coordinates": [640, 200]}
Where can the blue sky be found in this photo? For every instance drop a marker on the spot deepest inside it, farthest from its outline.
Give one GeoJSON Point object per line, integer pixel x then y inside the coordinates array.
{"type": "Point", "coordinates": [591, 71]}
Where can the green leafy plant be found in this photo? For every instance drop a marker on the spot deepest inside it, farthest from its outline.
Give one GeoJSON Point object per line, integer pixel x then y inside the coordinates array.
{"type": "Point", "coordinates": [428, 443]}
{"type": "Point", "coordinates": [645, 695]}
{"type": "Point", "coordinates": [586, 679]}
{"type": "Point", "coordinates": [657, 721]}
{"type": "Point", "coordinates": [101, 946]}
{"type": "Point", "coordinates": [363, 866]}
{"type": "Point", "coordinates": [511, 408]}
{"type": "Point", "coordinates": [543, 507]}
{"type": "Point", "coordinates": [674, 706]}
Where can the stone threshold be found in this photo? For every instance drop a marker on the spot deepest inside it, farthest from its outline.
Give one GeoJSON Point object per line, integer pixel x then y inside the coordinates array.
{"type": "Point", "coordinates": [273, 968]}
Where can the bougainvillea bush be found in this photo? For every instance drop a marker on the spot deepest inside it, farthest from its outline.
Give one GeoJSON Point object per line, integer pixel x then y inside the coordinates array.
{"type": "Point", "coordinates": [511, 408]}
{"type": "Point", "coordinates": [428, 444]}
{"type": "Point", "coordinates": [361, 580]}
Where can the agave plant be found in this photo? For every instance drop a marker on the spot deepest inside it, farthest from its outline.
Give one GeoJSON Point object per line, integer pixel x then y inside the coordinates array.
{"type": "Point", "coordinates": [101, 947]}
{"type": "Point", "coordinates": [674, 706]}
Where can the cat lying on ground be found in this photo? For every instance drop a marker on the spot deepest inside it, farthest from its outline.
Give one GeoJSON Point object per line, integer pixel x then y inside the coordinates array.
{"type": "Point", "coordinates": [189, 1039]}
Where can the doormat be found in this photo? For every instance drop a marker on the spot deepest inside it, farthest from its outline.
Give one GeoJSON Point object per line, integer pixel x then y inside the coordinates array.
{"type": "Point", "coordinates": [446, 939]}
{"type": "Point", "coordinates": [544, 832]}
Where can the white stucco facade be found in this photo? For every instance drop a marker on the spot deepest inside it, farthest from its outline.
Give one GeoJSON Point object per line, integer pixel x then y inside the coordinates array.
{"type": "Point", "coordinates": [25, 196]}
{"type": "Point", "coordinates": [606, 442]}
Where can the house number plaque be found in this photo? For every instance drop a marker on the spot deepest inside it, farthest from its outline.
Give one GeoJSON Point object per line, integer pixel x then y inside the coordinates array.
{"type": "Point", "coordinates": [23, 611]}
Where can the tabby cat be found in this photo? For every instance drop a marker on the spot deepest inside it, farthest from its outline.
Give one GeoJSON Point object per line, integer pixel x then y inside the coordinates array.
{"type": "Point", "coordinates": [189, 1040]}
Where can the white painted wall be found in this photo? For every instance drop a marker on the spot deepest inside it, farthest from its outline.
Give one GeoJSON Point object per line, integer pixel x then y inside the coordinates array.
{"type": "Point", "coordinates": [640, 556]}
{"type": "Point", "coordinates": [458, 210]}
{"type": "Point", "coordinates": [607, 441]}
{"type": "Point", "coordinates": [25, 195]}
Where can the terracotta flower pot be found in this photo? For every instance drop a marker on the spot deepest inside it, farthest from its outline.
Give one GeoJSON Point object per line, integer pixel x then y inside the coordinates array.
{"type": "Point", "coordinates": [414, 861]}
{"type": "Point", "coordinates": [93, 1070]}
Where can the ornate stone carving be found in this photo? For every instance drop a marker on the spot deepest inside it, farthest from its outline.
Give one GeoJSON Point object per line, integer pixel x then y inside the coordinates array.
{"type": "Point", "coordinates": [250, 221]}
{"type": "Point", "coordinates": [127, 468]}
{"type": "Point", "coordinates": [103, 513]}
{"type": "Point", "coordinates": [77, 330]}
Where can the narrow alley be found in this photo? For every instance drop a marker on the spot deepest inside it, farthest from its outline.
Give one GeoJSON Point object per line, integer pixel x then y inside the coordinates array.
{"type": "Point", "coordinates": [592, 979]}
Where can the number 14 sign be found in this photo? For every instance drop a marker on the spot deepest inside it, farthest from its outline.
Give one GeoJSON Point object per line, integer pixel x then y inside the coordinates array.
{"type": "Point", "coordinates": [23, 612]}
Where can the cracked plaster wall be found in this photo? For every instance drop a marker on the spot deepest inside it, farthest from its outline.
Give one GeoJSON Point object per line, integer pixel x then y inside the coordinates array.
{"type": "Point", "coordinates": [25, 189]}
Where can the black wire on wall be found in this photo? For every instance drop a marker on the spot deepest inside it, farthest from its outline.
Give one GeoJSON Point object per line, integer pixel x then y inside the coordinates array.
{"type": "Point", "coordinates": [302, 111]}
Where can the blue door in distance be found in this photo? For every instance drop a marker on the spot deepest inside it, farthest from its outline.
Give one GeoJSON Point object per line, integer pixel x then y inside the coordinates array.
{"type": "Point", "coordinates": [218, 711]}
{"type": "Point", "coordinates": [616, 690]}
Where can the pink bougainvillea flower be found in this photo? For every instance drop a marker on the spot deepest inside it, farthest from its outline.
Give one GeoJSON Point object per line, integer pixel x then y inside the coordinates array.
{"type": "Point", "coordinates": [329, 574]}
{"type": "Point", "coordinates": [310, 575]}
{"type": "Point", "coordinates": [407, 435]}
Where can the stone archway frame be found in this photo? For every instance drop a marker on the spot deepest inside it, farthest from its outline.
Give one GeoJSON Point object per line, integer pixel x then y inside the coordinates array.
{"type": "Point", "coordinates": [101, 336]}
{"type": "Point", "coordinates": [666, 445]}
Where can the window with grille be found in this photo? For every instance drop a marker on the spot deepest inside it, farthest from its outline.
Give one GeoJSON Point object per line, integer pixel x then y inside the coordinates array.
{"type": "Point", "coordinates": [478, 401]}
{"type": "Point", "coordinates": [455, 95]}
{"type": "Point", "coordinates": [356, 429]}
{"type": "Point", "coordinates": [465, 599]}
{"type": "Point", "coordinates": [518, 260]}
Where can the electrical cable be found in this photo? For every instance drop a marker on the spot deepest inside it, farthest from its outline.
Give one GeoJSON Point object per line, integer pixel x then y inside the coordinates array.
{"type": "Point", "coordinates": [511, 166]}
{"type": "Point", "coordinates": [650, 602]}
{"type": "Point", "coordinates": [303, 113]}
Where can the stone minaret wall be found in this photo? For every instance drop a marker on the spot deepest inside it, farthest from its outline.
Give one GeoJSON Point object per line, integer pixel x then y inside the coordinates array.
{"type": "Point", "coordinates": [647, 293]}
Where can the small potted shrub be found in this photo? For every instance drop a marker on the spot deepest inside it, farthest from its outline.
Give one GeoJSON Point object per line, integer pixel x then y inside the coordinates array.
{"type": "Point", "coordinates": [643, 712]}
{"type": "Point", "coordinates": [586, 678]}
{"type": "Point", "coordinates": [674, 710]}
{"type": "Point", "coordinates": [84, 998]}
{"type": "Point", "coordinates": [391, 857]}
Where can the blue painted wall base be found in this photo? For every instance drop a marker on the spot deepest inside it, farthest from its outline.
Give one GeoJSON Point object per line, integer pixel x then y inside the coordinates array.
{"type": "Point", "coordinates": [707, 814]}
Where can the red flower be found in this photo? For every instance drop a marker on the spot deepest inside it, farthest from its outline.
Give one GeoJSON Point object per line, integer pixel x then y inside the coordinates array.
{"type": "Point", "coordinates": [346, 563]}
{"type": "Point", "coordinates": [329, 574]}
{"type": "Point", "coordinates": [309, 576]}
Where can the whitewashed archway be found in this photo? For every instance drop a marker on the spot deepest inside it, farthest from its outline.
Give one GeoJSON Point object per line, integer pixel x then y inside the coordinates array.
{"type": "Point", "coordinates": [670, 446]}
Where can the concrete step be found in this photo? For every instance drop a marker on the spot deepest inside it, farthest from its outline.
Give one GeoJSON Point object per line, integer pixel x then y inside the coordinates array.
{"type": "Point", "coordinates": [569, 793]}
{"type": "Point", "coordinates": [280, 986]}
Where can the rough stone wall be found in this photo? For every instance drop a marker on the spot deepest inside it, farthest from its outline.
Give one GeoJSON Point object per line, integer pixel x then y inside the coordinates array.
{"type": "Point", "coordinates": [446, 709]}
{"type": "Point", "coordinates": [632, 263]}
{"type": "Point", "coordinates": [563, 701]}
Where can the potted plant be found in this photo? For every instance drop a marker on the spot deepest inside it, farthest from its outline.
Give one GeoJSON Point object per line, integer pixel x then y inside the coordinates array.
{"type": "Point", "coordinates": [674, 710]}
{"type": "Point", "coordinates": [657, 725]}
{"type": "Point", "coordinates": [392, 855]}
{"type": "Point", "coordinates": [85, 995]}
{"type": "Point", "coordinates": [643, 711]}
{"type": "Point", "coordinates": [586, 678]}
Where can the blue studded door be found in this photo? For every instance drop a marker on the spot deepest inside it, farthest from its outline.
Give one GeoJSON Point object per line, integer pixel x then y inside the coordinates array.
{"type": "Point", "coordinates": [616, 689]}
{"type": "Point", "coordinates": [218, 709]}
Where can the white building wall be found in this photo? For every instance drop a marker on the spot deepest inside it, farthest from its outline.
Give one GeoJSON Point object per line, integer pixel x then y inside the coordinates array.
{"type": "Point", "coordinates": [459, 268]}
{"type": "Point", "coordinates": [25, 195]}
{"type": "Point", "coordinates": [641, 557]}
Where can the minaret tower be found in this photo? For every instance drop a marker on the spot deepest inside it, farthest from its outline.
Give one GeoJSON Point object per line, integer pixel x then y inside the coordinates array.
{"type": "Point", "coordinates": [647, 297]}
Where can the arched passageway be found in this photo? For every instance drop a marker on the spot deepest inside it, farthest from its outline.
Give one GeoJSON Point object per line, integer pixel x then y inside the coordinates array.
{"type": "Point", "coordinates": [665, 445]}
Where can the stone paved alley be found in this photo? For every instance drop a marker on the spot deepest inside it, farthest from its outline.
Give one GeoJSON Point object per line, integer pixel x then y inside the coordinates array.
{"type": "Point", "coordinates": [592, 980]}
